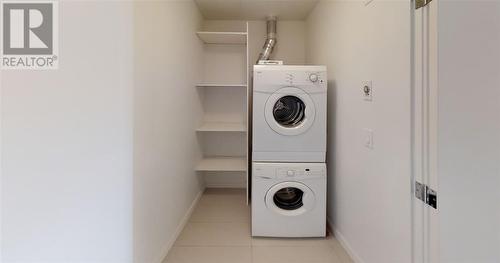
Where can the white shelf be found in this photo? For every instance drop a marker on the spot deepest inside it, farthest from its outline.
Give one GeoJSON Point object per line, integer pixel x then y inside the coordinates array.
{"type": "Point", "coordinates": [222, 164]}
{"type": "Point", "coordinates": [233, 38]}
{"type": "Point", "coordinates": [215, 85]}
{"type": "Point", "coordinates": [224, 97]}
{"type": "Point", "coordinates": [222, 127]}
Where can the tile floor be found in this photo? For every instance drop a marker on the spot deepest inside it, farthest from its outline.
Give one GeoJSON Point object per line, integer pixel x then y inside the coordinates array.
{"type": "Point", "coordinates": [219, 232]}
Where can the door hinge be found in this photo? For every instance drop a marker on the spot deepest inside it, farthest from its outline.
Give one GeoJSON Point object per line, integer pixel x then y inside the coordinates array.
{"type": "Point", "coordinates": [426, 194]}
{"type": "Point", "coordinates": [421, 3]}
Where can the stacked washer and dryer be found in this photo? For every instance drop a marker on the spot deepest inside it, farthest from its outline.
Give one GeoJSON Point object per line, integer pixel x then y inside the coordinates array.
{"type": "Point", "coordinates": [289, 150]}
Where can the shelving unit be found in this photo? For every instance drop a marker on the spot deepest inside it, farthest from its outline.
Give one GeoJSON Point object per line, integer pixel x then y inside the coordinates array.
{"type": "Point", "coordinates": [221, 127]}
{"type": "Point", "coordinates": [215, 85]}
{"type": "Point", "coordinates": [227, 38]}
{"type": "Point", "coordinates": [223, 90]}
{"type": "Point", "coordinates": [224, 164]}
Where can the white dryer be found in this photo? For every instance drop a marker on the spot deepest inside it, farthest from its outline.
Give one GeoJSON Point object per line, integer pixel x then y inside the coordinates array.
{"type": "Point", "coordinates": [289, 113]}
{"type": "Point", "coordinates": [289, 199]}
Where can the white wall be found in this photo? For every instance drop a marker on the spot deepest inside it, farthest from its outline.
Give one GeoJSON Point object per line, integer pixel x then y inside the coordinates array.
{"type": "Point", "coordinates": [369, 190]}
{"type": "Point", "coordinates": [167, 110]}
{"type": "Point", "coordinates": [469, 128]}
{"type": "Point", "coordinates": [67, 144]}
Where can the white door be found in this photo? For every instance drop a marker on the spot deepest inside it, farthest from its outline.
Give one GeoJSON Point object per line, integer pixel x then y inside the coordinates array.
{"type": "Point", "coordinates": [424, 163]}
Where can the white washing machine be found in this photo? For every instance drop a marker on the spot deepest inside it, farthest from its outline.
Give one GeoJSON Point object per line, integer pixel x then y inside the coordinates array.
{"type": "Point", "coordinates": [289, 113]}
{"type": "Point", "coordinates": [289, 199]}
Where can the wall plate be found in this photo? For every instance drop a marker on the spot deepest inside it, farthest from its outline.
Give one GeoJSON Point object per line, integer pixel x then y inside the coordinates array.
{"type": "Point", "coordinates": [367, 90]}
{"type": "Point", "coordinates": [368, 138]}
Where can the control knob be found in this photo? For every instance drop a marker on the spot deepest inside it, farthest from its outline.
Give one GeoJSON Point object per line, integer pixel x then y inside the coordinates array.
{"type": "Point", "coordinates": [313, 77]}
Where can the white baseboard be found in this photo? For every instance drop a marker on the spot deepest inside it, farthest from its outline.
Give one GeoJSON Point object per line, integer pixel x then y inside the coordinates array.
{"type": "Point", "coordinates": [178, 230]}
{"type": "Point", "coordinates": [343, 241]}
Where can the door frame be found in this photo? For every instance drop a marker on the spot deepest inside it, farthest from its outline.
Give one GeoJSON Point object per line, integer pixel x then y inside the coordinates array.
{"type": "Point", "coordinates": [424, 60]}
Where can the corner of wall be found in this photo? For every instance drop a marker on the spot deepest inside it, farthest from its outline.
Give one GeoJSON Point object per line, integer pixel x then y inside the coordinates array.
{"type": "Point", "coordinates": [343, 241]}
{"type": "Point", "coordinates": [185, 219]}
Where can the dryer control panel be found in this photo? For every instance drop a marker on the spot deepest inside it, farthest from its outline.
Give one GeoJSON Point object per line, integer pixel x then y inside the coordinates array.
{"type": "Point", "coordinates": [303, 77]}
{"type": "Point", "coordinates": [287, 172]}
{"type": "Point", "coordinates": [268, 78]}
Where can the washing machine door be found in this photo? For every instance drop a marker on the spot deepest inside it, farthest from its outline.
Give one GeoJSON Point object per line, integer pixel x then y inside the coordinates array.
{"type": "Point", "coordinates": [290, 199]}
{"type": "Point", "coordinates": [290, 111]}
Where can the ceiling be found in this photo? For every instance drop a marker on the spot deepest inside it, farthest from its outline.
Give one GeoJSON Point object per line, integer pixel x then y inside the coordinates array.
{"type": "Point", "coordinates": [255, 9]}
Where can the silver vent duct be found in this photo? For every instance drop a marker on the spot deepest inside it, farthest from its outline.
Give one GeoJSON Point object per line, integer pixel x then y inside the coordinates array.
{"type": "Point", "coordinates": [271, 40]}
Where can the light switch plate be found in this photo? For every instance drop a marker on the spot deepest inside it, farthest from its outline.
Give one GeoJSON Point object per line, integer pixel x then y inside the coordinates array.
{"type": "Point", "coordinates": [367, 90]}
{"type": "Point", "coordinates": [368, 138]}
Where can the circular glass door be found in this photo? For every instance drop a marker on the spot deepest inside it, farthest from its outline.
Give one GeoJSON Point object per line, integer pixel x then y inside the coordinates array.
{"type": "Point", "coordinates": [290, 198]}
{"type": "Point", "coordinates": [290, 111]}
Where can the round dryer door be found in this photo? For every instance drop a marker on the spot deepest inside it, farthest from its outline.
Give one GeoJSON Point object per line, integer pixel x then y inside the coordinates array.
{"type": "Point", "coordinates": [290, 111]}
{"type": "Point", "coordinates": [290, 198]}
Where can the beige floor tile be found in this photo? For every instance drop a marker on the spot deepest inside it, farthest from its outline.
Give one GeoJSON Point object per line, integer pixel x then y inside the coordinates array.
{"type": "Point", "coordinates": [209, 255]}
{"type": "Point", "coordinates": [217, 196]}
{"type": "Point", "coordinates": [215, 234]}
{"type": "Point", "coordinates": [340, 251]}
{"type": "Point", "coordinates": [291, 242]}
{"type": "Point", "coordinates": [219, 232]}
{"type": "Point", "coordinates": [228, 213]}
{"type": "Point", "coordinates": [321, 254]}
{"type": "Point", "coordinates": [225, 191]}
{"type": "Point", "coordinates": [225, 212]}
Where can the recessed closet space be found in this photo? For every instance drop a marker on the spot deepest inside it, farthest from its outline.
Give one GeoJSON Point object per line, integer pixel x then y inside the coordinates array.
{"type": "Point", "coordinates": [230, 49]}
{"type": "Point", "coordinates": [193, 128]}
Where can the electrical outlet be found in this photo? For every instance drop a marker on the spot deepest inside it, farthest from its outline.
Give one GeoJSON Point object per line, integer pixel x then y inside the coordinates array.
{"type": "Point", "coordinates": [367, 90]}
{"type": "Point", "coordinates": [368, 137]}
